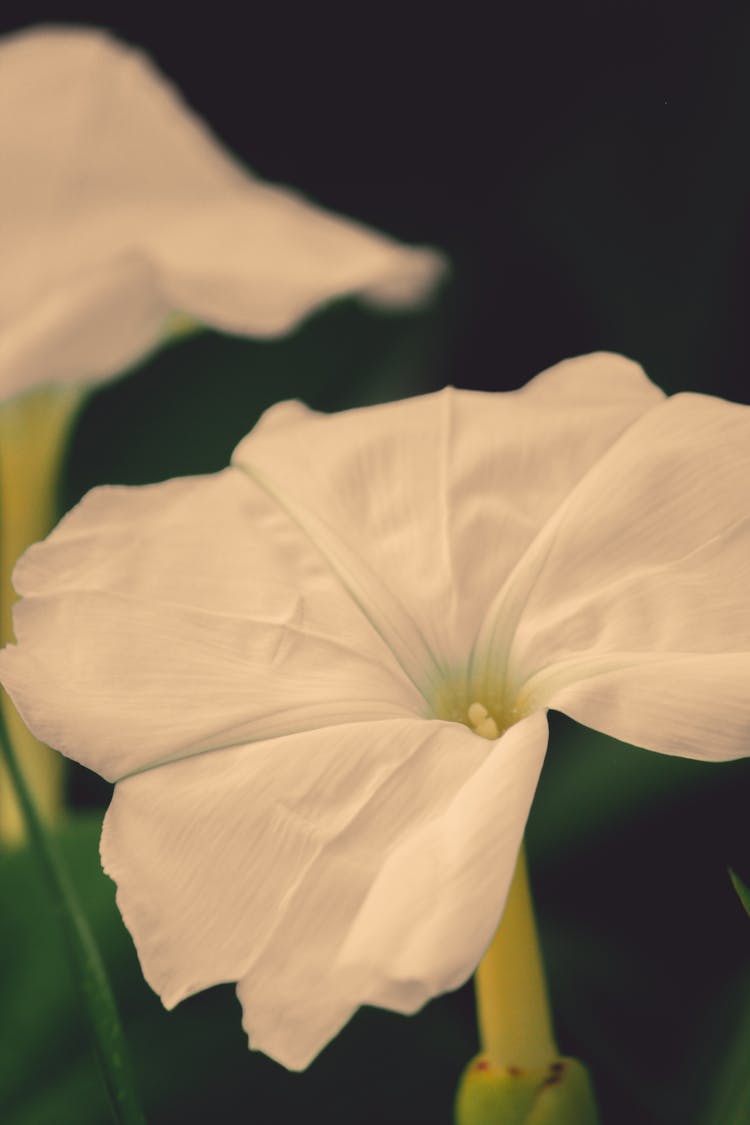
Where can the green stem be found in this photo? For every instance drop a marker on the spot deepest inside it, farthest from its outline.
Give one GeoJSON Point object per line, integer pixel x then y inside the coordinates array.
{"type": "Point", "coordinates": [518, 1077]}
{"type": "Point", "coordinates": [512, 1005]}
{"type": "Point", "coordinates": [34, 430]}
{"type": "Point", "coordinates": [89, 971]}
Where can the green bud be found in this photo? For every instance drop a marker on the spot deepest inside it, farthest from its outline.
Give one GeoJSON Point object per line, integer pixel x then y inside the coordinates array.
{"type": "Point", "coordinates": [559, 1094]}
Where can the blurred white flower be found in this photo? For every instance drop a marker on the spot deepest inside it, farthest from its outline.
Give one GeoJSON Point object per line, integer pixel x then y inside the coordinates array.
{"type": "Point", "coordinates": [286, 667]}
{"type": "Point", "coordinates": [119, 208]}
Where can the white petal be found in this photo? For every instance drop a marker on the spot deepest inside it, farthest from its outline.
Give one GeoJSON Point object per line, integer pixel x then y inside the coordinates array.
{"type": "Point", "coordinates": [438, 900]}
{"type": "Point", "coordinates": [163, 621]}
{"type": "Point", "coordinates": [118, 205]}
{"type": "Point", "coordinates": [633, 609]}
{"type": "Point", "coordinates": [424, 506]}
{"type": "Point", "coordinates": [267, 854]}
{"type": "Point", "coordinates": [100, 322]}
{"type": "Point", "coordinates": [694, 706]}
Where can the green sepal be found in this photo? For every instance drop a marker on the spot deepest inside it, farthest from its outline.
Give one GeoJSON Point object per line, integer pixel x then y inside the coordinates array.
{"type": "Point", "coordinates": [558, 1094]}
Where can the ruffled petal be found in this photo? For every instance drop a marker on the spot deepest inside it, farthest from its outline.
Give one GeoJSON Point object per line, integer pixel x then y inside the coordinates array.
{"type": "Point", "coordinates": [437, 901]}
{"type": "Point", "coordinates": [165, 621]}
{"type": "Point", "coordinates": [273, 858]}
{"type": "Point", "coordinates": [119, 206]}
{"type": "Point", "coordinates": [632, 606]}
{"type": "Point", "coordinates": [424, 506]}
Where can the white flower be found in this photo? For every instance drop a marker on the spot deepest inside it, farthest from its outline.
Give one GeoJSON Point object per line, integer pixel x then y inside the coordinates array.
{"type": "Point", "coordinates": [286, 667]}
{"type": "Point", "coordinates": [117, 208]}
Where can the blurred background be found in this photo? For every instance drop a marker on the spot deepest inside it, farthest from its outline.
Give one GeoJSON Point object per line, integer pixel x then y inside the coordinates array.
{"type": "Point", "coordinates": [586, 168]}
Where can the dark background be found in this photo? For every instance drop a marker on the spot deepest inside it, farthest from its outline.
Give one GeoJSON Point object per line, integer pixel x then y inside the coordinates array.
{"type": "Point", "coordinates": [586, 169]}
{"type": "Point", "coordinates": [586, 166]}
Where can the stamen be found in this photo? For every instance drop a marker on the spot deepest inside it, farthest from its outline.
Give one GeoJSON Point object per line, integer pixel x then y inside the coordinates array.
{"type": "Point", "coordinates": [475, 714]}
{"type": "Point", "coordinates": [487, 728]}
{"type": "Point", "coordinates": [481, 722]}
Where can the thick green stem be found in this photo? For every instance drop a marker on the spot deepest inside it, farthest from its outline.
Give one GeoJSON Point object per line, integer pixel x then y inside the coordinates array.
{"type": "Point", "coordinates": [518, 1077]}
{"type": "Point", "coordinates": [515, 1024]}
{"type": "Point", "coordinates": [89, 971]}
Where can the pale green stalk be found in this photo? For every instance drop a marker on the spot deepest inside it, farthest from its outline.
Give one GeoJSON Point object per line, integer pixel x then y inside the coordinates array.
{"type": "Point", "coordinates": [515, 1025]}
{"type": "Point", "coordinates": [34, 429]}
{"type": "Point", "coordinates": [519, 1078]}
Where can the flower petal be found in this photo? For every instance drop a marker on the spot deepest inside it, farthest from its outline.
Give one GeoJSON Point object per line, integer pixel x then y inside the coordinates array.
{"type": "Point", "coordinates": [98, 324]}
{"type": "Point", "coordinates": [437, 902]}
{"type": "Point", "coordinates": [268, 853]}
{"type": "Point", "coordinates": [163, 621]}
{"type": "Point", "coordinates": [429, 503]}
{"type": "Point", "coordinates": [119, 205]}
{"type": "Point", "coordinates": [634, 614]}
{"type": "Point", "coordinates": [694, 706]}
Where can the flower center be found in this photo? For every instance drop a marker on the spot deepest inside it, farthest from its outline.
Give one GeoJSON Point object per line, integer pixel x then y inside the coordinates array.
{"type": "Point", "coordinates": [480, 721]}
{"type": "Point", "coordinates": [455, 700]}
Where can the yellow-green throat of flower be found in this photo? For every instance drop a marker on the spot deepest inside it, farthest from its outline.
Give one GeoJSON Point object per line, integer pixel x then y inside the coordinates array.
{"type": "Point", "coordinates": [488, 714]}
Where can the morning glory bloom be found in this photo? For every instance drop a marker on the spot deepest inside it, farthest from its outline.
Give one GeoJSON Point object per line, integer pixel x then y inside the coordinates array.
{"type": "Point", "coordinates": [320, 678]}
{"type": "Point", "coordinates": [122, 221]}
{"type": "Point", "coordinates": [119, 208]}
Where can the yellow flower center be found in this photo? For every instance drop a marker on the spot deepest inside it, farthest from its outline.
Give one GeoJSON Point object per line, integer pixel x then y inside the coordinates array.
{"type": "Point", "coordinates": [488, 713]}
{"type": "Point", "coordinates": [480, 720]}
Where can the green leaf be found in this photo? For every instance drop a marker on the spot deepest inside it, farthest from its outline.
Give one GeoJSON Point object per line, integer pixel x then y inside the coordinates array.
{"type": "Point", "coordinates": [741, 888]}
{"type": "Point", "coordinates": [730, 1090]}
{"type": "Point", "coordinates": [192, 1064]}
{"type": "Point", "coordinates": [85, 962]}
{"type": "Point", "coordinates": [592, 785]}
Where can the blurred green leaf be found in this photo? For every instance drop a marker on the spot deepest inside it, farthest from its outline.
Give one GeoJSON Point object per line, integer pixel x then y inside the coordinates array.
{"type": "Point", "coordinates": [742, 890]}
{"type": "Point", "coordinates": [47, 1068]}
{"type": "Point", "coordinates": [592, 784]}
{"type": "Point", "coordinates": [191, 1064]}
{"type": "Point", "coordinates": [84, 962]}
{"type": "Point", "coordinates": [729, 1100]}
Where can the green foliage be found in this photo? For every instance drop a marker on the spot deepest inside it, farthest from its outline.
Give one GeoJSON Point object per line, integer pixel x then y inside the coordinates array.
{"type": "Point", "coordinates": [93, 989]}
{"type": "Point", "coordinates": [727, 1036]}
{"type": "Point", "coordinates": [743, 891]}
{"type": "Point", "coordinates": [192, 1065]}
